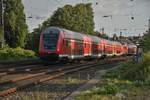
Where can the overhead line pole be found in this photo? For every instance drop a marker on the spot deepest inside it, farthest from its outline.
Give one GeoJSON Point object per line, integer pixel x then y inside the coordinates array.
{"type": "Point", "coordinates": [149, 26]}
{"type": "Point", "coordinates": [2, 23]}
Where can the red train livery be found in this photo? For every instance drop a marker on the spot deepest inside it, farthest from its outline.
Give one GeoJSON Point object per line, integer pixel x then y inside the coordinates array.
{"type": "Point", "coordinates": [61, 44]}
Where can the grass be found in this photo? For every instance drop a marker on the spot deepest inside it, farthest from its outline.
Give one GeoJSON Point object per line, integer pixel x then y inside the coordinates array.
{"type": "Point", "coordinates": [71, 80]}
{"type": "Point", "coordinates": [116, 89]}
{"type": "Point", "coordinates": [128, 81]}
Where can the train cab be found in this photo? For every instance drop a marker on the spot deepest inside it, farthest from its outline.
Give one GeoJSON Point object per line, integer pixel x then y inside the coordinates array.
{"type": "Point", "coordinates": [59, 44]}
{"type": "Point", "coordinates": [49, 40]}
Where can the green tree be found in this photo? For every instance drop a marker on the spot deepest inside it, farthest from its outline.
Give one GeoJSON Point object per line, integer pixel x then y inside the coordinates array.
{"type": "Point", "coordinates": [63, 17]}
{"type": "Point", "coordinates": [115, 37]}
{"type": "Point", "coordinates": [77, 18]}
{"type": "Point", "coordinates": [105, 36]}
{"type": "Point", "coordinates": [145, 42]}
{"type": "Point", "coordinates": [15, 23]}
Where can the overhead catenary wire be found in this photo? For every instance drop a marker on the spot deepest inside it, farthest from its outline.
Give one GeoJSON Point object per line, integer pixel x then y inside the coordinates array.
{"type": "Point", "coordinates": [35, 16]}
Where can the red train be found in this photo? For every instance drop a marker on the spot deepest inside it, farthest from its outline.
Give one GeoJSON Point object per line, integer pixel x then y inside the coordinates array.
{"type": "Point", "coordinates": [61, 44]}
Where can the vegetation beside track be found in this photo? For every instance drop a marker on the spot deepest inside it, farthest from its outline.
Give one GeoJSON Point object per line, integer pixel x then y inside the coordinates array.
{"type": "Point", "coordinates": [16, 54]}
{"type": "Point", "coordinates": [129, 80]}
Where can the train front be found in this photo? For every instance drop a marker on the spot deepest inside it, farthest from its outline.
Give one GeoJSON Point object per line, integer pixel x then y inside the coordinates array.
{"type": "Point", "coordinates": [49, 44]}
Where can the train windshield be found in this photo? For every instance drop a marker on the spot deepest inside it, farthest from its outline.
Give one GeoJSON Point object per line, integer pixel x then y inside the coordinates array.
{"type": "Point", "coordinates": [50, 39]}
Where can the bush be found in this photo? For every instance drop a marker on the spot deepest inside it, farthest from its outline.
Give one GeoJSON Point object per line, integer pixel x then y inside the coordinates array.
{"type": "Point", "coordinates": [32, 42]}
{"type": "Point", "coordinates": [139, 71]}
{"type": "Point", "coordinates": [118, 71]}
{"type": "Point", "coordinates": [15, 54]}
{"type": "Point", "coordinates": [132, 71]}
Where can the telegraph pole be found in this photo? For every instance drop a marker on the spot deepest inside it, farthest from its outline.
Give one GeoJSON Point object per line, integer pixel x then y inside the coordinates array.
{"type": "Point", "coordinates": [2, 23]}
{"type": "Point", "coordinates": [149, 26]}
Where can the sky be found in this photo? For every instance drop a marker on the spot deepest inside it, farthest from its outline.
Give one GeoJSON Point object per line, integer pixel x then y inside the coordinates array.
{"type": "Point", "coordinates": [119, 14]}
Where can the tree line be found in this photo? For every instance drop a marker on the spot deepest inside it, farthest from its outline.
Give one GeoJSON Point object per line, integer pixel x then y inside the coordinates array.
{"type": "Point", "coordinates": [15, 27]}
{"type": "Point", "coordinates": [77, 18]}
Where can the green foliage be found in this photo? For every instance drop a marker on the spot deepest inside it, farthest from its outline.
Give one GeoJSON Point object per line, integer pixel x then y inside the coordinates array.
{"type": "Point", "coordinates": [15, 23]}
{"type": "Point", "coordinates": [0, 34]}
{"type": "Point", "coordinates": [15, 54]}
{"type": "Point", "coordinates": [126, 79]}
{"type": "Point", "coordinates": [105, 36]}
{"type": "Point", "coordinates": [78, 18]}
{"type": "Point", "coordinates": [114, 89]}
{"type": "Point", "coordinates": [145, 43]}
{"type": "Point", "coordinates": [109, 86]}
{"type": "Point", "coordinates": [32, 42]}
{"type": "Point", "coordinates": [118, 71]}
{"type": "Point", "coordinates": [132, 71]}
{"type": "Point", "coordinates": [106, 89]}
{"type": "Point", "coordinates": [139, 71]}
{"type": "Point", "coordinates": [139, 83]}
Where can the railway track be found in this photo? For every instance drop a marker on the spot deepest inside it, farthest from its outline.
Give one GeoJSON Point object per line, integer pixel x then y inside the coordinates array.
{"type": "Point", "coordinates": [36, 78]}
{"type": "Point", "coordinates": [23, 70]}
{"type": "Point", "coordinates": [14, 85]}
{"type": "Point", "coordinates": [26, 69]}
{"type": "Point", "coordinates": [17, 64]}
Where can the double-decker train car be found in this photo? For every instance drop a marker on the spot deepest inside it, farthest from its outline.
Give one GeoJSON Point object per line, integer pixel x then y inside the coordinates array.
{"type": "Point", "coordinates": [132, 49]}
{"type": "Point", "coordinates": [61, 44]}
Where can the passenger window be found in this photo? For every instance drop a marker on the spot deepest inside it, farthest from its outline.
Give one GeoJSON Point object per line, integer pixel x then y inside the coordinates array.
{"type": "Point", "coordinates": [68, 43]}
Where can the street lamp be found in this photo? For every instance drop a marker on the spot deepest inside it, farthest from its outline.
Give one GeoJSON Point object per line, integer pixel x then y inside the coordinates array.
{"type": "Point", "coordinates": [138, 52]}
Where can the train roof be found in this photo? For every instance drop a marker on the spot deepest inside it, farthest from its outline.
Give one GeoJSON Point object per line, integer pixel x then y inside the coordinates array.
{"type": "Point", "coordinates": [117, 43]}
{"type": "Point", "coordinates": [74, 35]}
{"type": "Point", "coordinates": [108, 41]}
{"type": "Point", "coordinates": [78, 36]}
{"type": "Point", "coordinates": [94, 38]}
{"type": "Point", "coordinates": [132, 45]}
{"type": "Point", "coordinates": [48, 29]}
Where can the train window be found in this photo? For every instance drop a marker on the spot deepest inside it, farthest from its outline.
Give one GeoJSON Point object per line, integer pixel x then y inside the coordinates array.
{"type": "Point", "coordinates": [67, 43]}
{"type": "Point", "coordinates": [50, 41]}
{"type": "Point", "coordinates": [50, 38]}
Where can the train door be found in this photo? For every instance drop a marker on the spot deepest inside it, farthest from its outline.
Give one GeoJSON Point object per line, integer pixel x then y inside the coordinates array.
{"type": "Point", "coordinates": [72, 43]}
{"type": "Point", "coordinates": [114, 48]}
{"type": "Point", "coordinates": [101, 48]}
{"type": "Point", "coordinates": [113, 44]}
{"type": "Point", "coordinates": [66, 44]}
{"type": "Point", "coordinates": [67, 47]}
{"type": "Point", "coordinates": [103, 44]}
{"type": "Point", "coordinates": [86, 45]}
